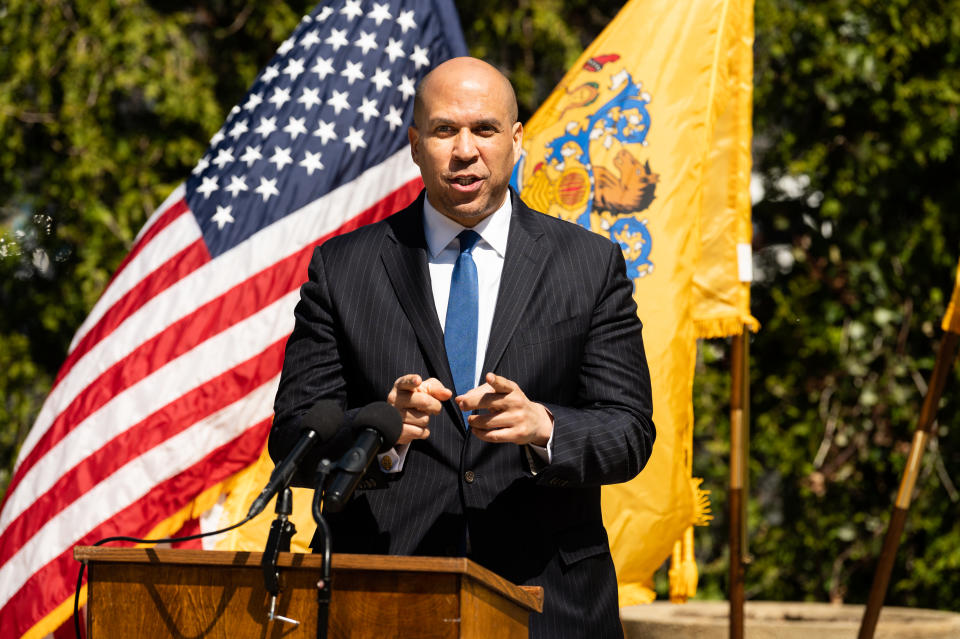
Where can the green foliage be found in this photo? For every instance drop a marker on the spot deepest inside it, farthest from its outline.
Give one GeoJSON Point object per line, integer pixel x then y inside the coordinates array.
{"type": "Point", "coordinates": [22, 387]}
{"type": "Point", "coordinates": [105, 107]}
{"type": "Point", "coordinates": [533, 41]}
{"type": "Point", "coordinates": [856, 124]}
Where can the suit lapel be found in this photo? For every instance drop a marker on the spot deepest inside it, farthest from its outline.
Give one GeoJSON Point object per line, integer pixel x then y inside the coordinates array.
{"type": "Point", "coordinates": [523, 265]}
{"type": "Point", "coordinates": [404, 257]}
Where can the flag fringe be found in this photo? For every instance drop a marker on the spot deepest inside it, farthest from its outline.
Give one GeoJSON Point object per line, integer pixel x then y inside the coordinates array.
{"type": "Point", "coordinates": [702, 514]}
{"type": "Point", "coordinates": [709, 328]}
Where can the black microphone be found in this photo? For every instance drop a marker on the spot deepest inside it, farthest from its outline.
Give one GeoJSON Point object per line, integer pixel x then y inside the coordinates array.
{"type": "Point", "coordinates": [319, 424]}
{"type": "Point", "coordinates": [380, 427]}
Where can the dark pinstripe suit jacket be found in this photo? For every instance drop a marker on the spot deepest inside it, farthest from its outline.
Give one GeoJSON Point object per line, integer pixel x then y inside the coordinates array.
{"type": "Point", "coordinates": [565, 329]}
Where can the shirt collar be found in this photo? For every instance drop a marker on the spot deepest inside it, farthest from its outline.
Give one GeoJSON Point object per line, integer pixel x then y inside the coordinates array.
{"type": "Point", "coordinates": [440, 229]}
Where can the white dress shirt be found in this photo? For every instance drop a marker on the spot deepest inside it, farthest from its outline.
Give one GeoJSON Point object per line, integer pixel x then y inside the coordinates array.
{"type": "Point", "coordinates": [444, 247]}
{"type": "Point", "coordinates": [441, 234]}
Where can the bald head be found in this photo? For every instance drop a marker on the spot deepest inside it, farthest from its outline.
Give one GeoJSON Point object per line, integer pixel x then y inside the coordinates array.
{"type": "Point", "coordinates": [470, 72]}
{"type": "Point", "coordinates": [465, 138]}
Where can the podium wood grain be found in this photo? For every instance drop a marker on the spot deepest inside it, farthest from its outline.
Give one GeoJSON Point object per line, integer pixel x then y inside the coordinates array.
{"type": "Point", "coordinates": [156, 592]}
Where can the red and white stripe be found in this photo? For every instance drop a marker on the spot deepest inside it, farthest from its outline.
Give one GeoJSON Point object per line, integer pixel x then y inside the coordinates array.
{"type": "Point", "coordinates": [168, 387]}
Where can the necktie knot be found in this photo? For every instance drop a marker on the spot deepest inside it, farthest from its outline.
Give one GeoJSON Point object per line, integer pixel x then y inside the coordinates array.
{"type": "Point", "coordinates": [468, 239]}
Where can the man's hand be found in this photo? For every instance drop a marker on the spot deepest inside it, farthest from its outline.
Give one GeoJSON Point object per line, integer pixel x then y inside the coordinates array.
{"type": "Point", "coordinates": [510, 416]}
{"type": "Point", "coordinates": [416, 400]}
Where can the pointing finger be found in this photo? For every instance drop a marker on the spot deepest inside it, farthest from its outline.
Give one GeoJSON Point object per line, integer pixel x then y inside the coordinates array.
{"type": "Point", "coordinates": [435, 388]}
{"type": "Point", "coordinates": [408, 382]}
{"type": "Point", "coordinates": [500, 384]}
{"type": "Point", "coordinates": [472, 398]}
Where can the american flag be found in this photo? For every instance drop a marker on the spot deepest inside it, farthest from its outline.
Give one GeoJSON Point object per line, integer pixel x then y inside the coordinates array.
{"type": "Point", "coordinates": [169, 383]}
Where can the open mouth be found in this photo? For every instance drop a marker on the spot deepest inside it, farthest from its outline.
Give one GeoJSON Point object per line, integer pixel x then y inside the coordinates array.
{"type": "Point", "coordinates": [465, 182]}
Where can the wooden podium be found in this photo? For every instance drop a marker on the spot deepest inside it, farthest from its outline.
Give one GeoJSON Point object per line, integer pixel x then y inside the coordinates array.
{"type": "Point", "coordinates": [157, 592]}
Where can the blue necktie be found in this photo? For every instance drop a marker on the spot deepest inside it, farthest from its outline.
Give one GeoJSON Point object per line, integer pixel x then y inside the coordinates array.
{"type": "Point", "coordinates": [460, 328]}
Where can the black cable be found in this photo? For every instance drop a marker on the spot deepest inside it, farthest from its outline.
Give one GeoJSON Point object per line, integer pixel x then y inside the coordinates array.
{"type": "Point", "coordinates": [323, 530]}
{"type": "Point", "coordinates": [106, 540]}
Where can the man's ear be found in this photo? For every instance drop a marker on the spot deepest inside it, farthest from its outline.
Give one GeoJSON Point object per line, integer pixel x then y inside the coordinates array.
{"type": "Point", "coordinates": [414, 136]}
{"type": "Point", "coordinates": [517, 140]}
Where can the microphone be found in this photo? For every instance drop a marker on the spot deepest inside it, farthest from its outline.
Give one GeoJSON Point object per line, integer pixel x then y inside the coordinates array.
{"type": "Point", "coordinates": [380, 428]}
{"type": "Point", "coordinates": [319, 424]}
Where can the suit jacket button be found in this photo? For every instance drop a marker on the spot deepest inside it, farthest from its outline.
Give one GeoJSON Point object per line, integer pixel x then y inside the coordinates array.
{"type": "Point", "coordinates": [469, 476]}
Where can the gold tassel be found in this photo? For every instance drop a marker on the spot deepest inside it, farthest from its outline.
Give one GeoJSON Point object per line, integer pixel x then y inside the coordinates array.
{"type": "Point", "coordinates": [683, 574]}
{"type": "Point", "coordinates": [702, 515]}
{"type": "Point", "coordinates": [675, 574]}
{"type": "Point", "coordinates": [709, 328]}
{"type": "Point", "coordinates": [691, 575]}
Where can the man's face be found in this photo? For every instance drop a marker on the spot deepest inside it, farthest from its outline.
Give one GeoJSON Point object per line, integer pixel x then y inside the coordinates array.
{"type": "Point", "coordinates": [466, 143]}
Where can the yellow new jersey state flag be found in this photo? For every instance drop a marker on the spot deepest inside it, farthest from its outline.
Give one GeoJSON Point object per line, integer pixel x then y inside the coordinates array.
{"type": "Point", "coordinates": [951, 321]}
{"type": "Point", "coordinates": [721, 283]}
{"type": "Point", "coordinates": [647, 141]}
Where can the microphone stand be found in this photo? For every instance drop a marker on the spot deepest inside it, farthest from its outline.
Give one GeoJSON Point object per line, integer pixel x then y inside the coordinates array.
{"type": "Point", "coordinates": [281, 532]}
{"type": "Point", "coordinates": [324, 586]}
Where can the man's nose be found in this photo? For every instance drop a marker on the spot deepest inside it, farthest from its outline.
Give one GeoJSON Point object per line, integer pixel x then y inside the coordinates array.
{"type": "Point", "coordinates": [464, 146]}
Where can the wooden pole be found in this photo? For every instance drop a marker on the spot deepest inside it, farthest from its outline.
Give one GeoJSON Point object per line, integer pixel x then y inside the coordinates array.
{"type": "Point", "coordinates": [928, 414]}
{"type": "Point", "coordinates": [739, 433]}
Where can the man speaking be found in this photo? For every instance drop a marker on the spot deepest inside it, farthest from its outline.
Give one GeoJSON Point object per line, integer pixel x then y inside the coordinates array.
{"type": "Point", "coordinates": [509, 343]}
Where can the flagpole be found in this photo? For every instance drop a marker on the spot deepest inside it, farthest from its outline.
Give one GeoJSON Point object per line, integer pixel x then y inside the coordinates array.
{"type": "Point", "coordinates": [739, 434]}
{"type": "Point", "coordinates": [881, 578]}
